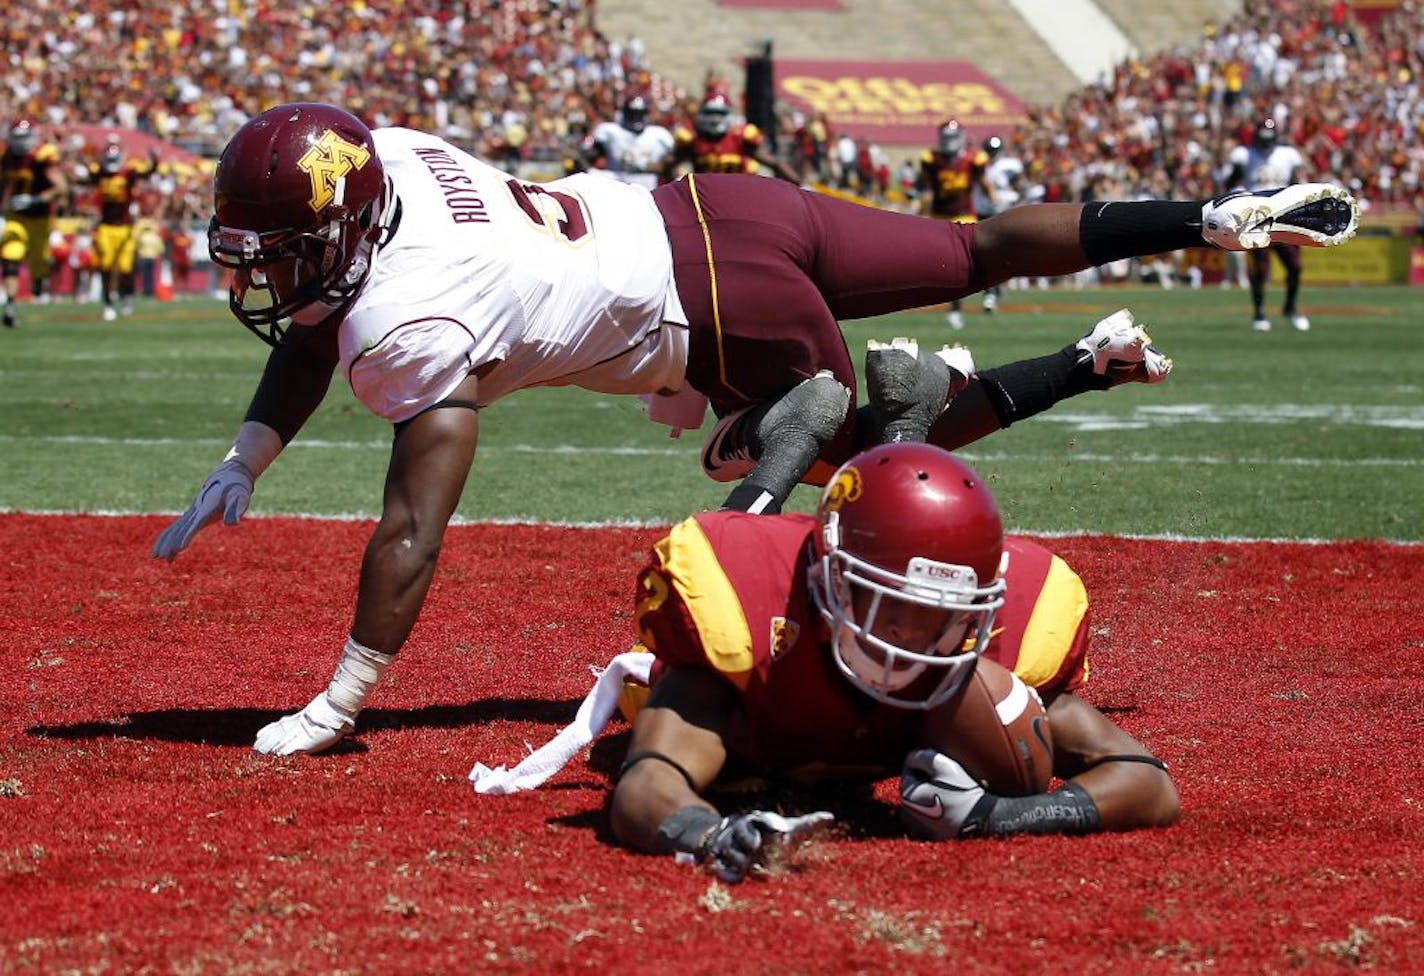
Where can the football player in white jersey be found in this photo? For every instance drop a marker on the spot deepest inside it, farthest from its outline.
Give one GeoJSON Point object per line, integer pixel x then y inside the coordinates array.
{"type": "Point", "coordinates": [437, 283]}
{"type": "Point", "coordinates": [1267, 162]}
{"type": "Point", "coordinates": [631, 149]}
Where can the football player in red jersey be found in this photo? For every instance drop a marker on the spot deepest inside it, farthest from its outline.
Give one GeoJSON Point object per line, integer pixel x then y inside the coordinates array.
{"type": "Point", "coordinates": [948, 178]}
{"type": "Point", "coordinates": [117, 181]}
{"type": "Point", "coordinates": [716, 144]}
{"type": "Point", "coordinates": [816, 647]}
{"type": "Point", "coordinates": [32, 184]}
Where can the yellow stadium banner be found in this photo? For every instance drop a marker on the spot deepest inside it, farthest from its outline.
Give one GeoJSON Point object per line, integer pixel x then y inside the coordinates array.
{"type": "Point", "coordinates": [1363, 261]}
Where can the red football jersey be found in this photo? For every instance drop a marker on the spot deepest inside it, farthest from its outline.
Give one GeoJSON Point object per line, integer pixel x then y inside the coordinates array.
{"type": "Point", "coordinates": [734, 152]}
{"type": "Point", "coordinates": [727, 591]}
{"type": "Point", "coordinates": [950, 182]}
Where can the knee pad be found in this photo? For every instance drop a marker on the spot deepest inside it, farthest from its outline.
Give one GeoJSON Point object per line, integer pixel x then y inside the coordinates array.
{"type": "Point", "coordinates": [908, 388]}
{"type": "Point", "coordinates": [814, 409]}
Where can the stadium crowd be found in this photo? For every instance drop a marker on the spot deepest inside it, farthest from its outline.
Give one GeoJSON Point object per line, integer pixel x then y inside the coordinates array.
{"type": "Point", "coordinates": [525, 82]}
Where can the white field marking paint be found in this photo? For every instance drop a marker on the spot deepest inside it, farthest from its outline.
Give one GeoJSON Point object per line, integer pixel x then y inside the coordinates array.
{"type": "Point", "coordinates": [662, 524]}
{"type": "Point", "coordinates": [570, 449]}
{"type": "Point", "coordinates": [1177, 415]}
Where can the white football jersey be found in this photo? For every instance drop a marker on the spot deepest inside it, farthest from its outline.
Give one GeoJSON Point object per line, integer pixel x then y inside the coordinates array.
{"type": "Point", "coordinates": [634, 157]}
{"type": "Point", "coordinates": [1267, 170]}
{"type": "Point", "coordinates": [561, 283]}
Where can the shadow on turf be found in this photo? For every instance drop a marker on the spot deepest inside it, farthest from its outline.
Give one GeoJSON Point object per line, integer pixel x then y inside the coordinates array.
{"type": "Point", "coordinates": [237, 726]}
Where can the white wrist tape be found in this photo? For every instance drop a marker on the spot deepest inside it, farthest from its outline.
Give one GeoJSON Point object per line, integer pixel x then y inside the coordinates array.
{"type": "Point", "coordinates": [356, 677]}
{"type": "Point", "coordinates": [256, 447]}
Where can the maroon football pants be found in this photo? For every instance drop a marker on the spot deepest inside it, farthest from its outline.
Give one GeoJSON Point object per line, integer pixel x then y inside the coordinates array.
{"type": "Point", "coordinates": [765, 272]}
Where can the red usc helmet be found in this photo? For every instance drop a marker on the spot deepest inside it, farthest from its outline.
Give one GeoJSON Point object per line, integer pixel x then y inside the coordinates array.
{"type": "Point", "coordinates": [20, 140]}
{"type": "Point", "coordinates": [951, 140]}
{"type": "Point", "coordinates": [714, 116]}
{"type": "Point", "coordinates": [904, 526]}
{"type": "Point", "coordinates": [301, 199]}
{"type": "Point", "coordinates": [111, 161]}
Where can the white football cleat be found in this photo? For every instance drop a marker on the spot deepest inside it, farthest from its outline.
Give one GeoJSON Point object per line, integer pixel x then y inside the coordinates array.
{"type": "Point", "coordinates": [1261, 325]}
{"type": "Point", "coordinates": [109, 313]}
{"type": "Point", "coordinates": [1300, 322]}
{"type": "Point", "coordinates": [956, 319]}
{"type": "Point", "coordinates": [1119, 347]}
{"type": "Point", "coordinates": [1308, 214]}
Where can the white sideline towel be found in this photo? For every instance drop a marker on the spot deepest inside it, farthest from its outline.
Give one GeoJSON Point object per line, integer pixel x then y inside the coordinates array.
{"type": "Point", "coordinates": [592, 716]}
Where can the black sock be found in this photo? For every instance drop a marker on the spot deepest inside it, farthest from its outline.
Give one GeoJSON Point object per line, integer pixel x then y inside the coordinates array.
{"type": "Point", "coordinates": [1019, 390]}
{"type": "Point", "coordinates": [1110, 230]}
{"type": "Point", "coordinates": [752, 497]}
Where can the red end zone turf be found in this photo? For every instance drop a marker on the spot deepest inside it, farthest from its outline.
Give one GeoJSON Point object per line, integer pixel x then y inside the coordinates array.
{"type": "Point", "coordinates": [138, 829]}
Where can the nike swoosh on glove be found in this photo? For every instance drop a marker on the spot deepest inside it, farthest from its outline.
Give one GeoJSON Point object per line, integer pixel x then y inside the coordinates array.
{"type": "Point", "coordinates": [228, 491]}
{"type": "Point", "coordinates": [742, 842]}
{"type": "Point", "coordinates": [939, 800]}
{"type": "Point", "coordinates": [315, 728]}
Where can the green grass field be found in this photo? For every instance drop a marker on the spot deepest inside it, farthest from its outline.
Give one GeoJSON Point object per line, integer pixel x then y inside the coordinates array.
{"type": "Point", "coordinates": [1274, 435]}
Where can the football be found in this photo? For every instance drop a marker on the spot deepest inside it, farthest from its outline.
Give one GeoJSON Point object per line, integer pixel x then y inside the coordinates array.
{"type": "Point", "coordinates": [997, 730]}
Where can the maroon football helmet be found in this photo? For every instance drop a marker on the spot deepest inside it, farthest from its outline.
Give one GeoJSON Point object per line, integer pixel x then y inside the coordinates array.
{"type": "Point", "coordinates": [904, 526]}
{"type": "Point", "coordinates": [300, 199]}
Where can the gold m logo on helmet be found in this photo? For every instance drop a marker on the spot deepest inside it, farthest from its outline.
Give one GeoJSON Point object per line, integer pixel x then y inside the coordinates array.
{"type": "Point", "coordinates": [846, 488]}
{"type": "Point", "coordinates": [327, 162]}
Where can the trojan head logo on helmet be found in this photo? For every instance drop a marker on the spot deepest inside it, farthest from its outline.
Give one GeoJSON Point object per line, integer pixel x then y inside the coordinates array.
{"type": "Point", "coordinates": [714, 116]}
{"type": "Point", "coordinates": [951, 140]}
{"type": "Point", "coordinates": [1265, 137]}
{"type": "Point", "coordinates": [909, 552]}
{"type": "Point", "coordinates": [301, 202]}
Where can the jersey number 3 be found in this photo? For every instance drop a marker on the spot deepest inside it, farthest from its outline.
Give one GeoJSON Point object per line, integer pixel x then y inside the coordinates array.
{"type": "Point", "coordinates": [561, 213]}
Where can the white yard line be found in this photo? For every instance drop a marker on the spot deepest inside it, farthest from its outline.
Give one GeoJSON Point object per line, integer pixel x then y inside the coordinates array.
{"type": "Point", "coordinates": [1097, 457]}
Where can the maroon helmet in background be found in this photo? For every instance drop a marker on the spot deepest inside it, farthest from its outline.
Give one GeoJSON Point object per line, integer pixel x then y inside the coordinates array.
{"type": "Point", "coordinates": [300, 200]}
{"type": "Point", "coordinates": [907, 522]}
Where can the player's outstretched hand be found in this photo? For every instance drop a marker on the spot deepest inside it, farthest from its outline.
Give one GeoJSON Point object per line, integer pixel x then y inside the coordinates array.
{"type": "Point", "coordinates": [939, 799]}
{"type": "Point", "coordinates": [315, 728]}
{"type": "Point", "coordinates": [227, 492]}
{"type": "Point", "coordinates": [742, 842]}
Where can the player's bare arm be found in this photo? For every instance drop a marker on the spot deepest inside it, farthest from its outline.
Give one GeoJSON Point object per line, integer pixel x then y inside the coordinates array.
{"type": "Point", "coordinates": [675, 753]}
{"type": "Point", "coordinates": [1111, 782]}
{"type": "Point", "coordinates": [1106, 762]}
{"type": "Point", "coordinates": [430, 460]}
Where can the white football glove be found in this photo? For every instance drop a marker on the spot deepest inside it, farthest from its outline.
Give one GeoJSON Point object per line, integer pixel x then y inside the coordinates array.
{"type": "Point", "coordinates": [739, 843]}
{"type": "Point", "coordinates": [939, 799]}
{"type": "Point", "coordinates": [1122, 351]}
{"type": "Point", "coordinates": [228, 491]}
{"type": "Point", "coordinates": [315, 728]}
